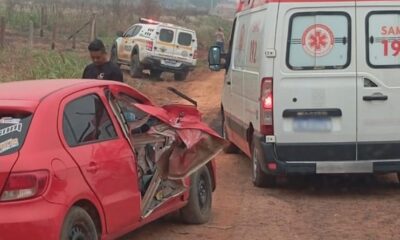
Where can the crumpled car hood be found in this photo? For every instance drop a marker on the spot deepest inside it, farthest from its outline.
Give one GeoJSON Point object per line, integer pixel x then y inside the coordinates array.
{"type": "Point", "coordinates": [195, 143]}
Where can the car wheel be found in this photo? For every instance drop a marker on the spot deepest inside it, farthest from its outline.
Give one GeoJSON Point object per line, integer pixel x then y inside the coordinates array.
{"type": "Point", "coordinates": [181, 76]}
{"type": "Point", "coordinates": [114, 56]}
{"type": "Point", "coordinates": [260, 178]}
{"type": "Point", "coordinates": [78, 225]}
{"type": "Point", "coordinates": [230, 147]}
{"type": "Point", "coordinates": [135, 67]}
{"type": "Point", "coordinates": [155, 74]}
{"type": "Point", "coordinates": [198, 209]}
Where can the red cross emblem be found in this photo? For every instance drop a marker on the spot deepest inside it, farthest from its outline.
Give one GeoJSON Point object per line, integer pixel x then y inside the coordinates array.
{"type": "Point", "coordinates": [318, 40]}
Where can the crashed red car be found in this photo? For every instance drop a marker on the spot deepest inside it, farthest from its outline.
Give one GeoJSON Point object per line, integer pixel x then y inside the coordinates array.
{"type": "Point", "coordinates": [96, 160]}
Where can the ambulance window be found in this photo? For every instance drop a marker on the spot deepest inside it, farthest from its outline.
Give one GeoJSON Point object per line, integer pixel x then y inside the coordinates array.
{"type": "Point", "coordinates": [319, 41]}
{"type": "Point", "coordinates": [185, 39]}
{"type": "Point", "coordinates": [166, 35]}
{"type": "Point", "coordinates": [383, 39]}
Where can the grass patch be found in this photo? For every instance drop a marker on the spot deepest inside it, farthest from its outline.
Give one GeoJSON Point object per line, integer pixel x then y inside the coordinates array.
{"type": "Point", "coordinates": [24, 64]}
{"type": "Point", "coordinates": [52, 65]}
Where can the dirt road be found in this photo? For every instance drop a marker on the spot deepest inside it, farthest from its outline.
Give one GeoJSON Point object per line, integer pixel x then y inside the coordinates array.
{"type": "Point", "coordinates": [320, 207]}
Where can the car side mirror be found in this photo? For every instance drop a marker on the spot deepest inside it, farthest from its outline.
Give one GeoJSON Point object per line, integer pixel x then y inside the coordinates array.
{"type": "Point", "coordinates": [120, 34]}
{"type": "Point", "coordinates": [214, 58]}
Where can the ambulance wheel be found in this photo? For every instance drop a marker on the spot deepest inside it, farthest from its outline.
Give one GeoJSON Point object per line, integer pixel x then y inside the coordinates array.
{"type": "Point", "coordinates": [136, 68]}
{"type": "Point", "coordinates": [229, 147]}
{"type": "Point", "coordinates": [181, 76]}
{"type": "Point", "coordinates": [260, 178]}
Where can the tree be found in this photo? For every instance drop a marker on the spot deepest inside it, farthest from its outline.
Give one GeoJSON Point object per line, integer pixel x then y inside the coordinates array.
{"type": "Point", "coordinates": [150, 9]}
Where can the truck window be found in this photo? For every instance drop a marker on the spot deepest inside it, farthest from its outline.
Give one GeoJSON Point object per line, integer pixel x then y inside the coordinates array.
{"type": "Point", "coordinates": [185, 39]}
{"type": "Point", "coordinates": [166, 35]}
{"type": "Point", "coordinates": [319, 41]}
{"type": "Point", "coordinates": [383, 39]}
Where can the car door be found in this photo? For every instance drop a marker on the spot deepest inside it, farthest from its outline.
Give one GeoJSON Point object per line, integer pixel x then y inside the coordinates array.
{"type": "Point", "coordinates": [378, 83]}
{"type": "Point", "coordinates": [314, 83]}
{"type": "Point", "coordinates": [94, 140]}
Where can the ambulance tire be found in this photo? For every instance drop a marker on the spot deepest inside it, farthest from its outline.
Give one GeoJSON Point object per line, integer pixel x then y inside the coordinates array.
{"type": "Point", "coordinates": [259, 177]}
{"type": "Point", "coordinates": [181, 76]}
{"type": "Point", "coordinates": [136, 69]}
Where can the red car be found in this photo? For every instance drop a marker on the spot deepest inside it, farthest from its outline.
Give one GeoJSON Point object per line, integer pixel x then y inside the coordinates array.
{"type": "Point", "coordinates": [88, 159]}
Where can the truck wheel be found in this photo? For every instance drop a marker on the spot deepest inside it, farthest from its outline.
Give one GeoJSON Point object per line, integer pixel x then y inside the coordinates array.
{"type": "Point", "coordinates": [78, 225]}
{"type": "Point", "coordinates": [135, 67]}
{"type": "Point", "coordinates": [181, 76]}
{"type": "Point", "coordinates": [230, 147]}
{"type": "Point", "coordinates": [155, 74]}
{"type": "Point", "coordinates": [114, 55]}
{"type": "Point", "coordinates": [260, 178]}
{"type": "Point", "coordinates": [198, 209]}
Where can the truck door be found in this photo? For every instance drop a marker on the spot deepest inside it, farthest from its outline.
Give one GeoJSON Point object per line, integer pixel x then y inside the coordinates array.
{"type": "Point", "coordinates": [166, 41]}
{"type": "Point", "coordinates": [184, 48]}
{"type": "Point", "coordinates": [314, 83]}
{"type": "Point", "coordinates": [378, 82]}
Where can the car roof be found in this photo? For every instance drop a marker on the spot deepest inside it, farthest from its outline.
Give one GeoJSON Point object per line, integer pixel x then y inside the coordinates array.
{"type": "Point", "coordinates": [36, 90]}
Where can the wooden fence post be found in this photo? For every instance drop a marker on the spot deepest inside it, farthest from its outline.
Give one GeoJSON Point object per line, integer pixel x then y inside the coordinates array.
{"type": "Point", "coordinates": [74, 42]}
{"type": "Point", "coordinates": [53, 37]}
{"type": "Point", "coordinates": [31, 31]}
{"type": "Point", "coordinates": [93, 29]}
{"type": "Point", "coordinates": [2, 31]}
{"type": "Point", "coordinates": [41, 22]}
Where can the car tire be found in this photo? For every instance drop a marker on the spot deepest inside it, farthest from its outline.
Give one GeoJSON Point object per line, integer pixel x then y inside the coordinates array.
{"type": "Point", "coordinates": [259, 177]}
{"type": "Point", "coordinates": [181, 76]}
{"type": "Point", "coordinates": [114, 55]}
{"type": "Point", "coordinates": [198, 209]}
{"type": "Point", "coordinates": [135, 67]}
{"type": "Point", "coordinates": [230, 147]}
{"type": "Point", "coordinates": [155, 74]}
{"type": "Point", "coordinates": [78, 225]}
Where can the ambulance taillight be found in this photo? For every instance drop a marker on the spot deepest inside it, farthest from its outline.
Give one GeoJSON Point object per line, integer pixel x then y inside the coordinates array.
{"type": "Point", "coordinates": [267, 105]}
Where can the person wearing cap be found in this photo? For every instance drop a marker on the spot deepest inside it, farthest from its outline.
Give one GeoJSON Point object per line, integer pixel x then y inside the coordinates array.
{"type": "Point", "coordinates": [101, 68]}
{"type": "Point", "coordinates": [220, 39]}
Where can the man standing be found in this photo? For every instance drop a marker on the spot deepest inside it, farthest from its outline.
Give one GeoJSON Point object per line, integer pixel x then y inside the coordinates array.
{"type": "Point", "coordinates": [220, 39]}
{"type": "Point", "coordinates": [101, 68]}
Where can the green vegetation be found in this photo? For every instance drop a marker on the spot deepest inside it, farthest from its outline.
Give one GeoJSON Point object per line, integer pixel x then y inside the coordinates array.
{"type": "Point", "coordinates": [52, 65]}
{"type": "Point", "coordinates": [20, 64]}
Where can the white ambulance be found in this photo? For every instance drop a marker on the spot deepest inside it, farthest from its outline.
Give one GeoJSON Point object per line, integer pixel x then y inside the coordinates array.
{"type": "Point", "coordinates": [313, 87]}
{"type": "Point", "coordinates": [158, 47]}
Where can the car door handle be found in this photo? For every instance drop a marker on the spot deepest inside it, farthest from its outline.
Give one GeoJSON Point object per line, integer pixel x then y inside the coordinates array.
{"type": "Point", "coordinates": [376, 97]}
{"type": "Point", "coordinates": [92, 168]}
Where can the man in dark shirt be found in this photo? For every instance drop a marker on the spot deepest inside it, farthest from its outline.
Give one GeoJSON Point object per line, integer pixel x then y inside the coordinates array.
{"type": "Point", "coordinates": [101, 68]}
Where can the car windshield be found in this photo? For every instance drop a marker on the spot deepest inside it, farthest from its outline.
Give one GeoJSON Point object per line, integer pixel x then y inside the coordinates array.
{"type": "Point", "coordinates": [13, 130]}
